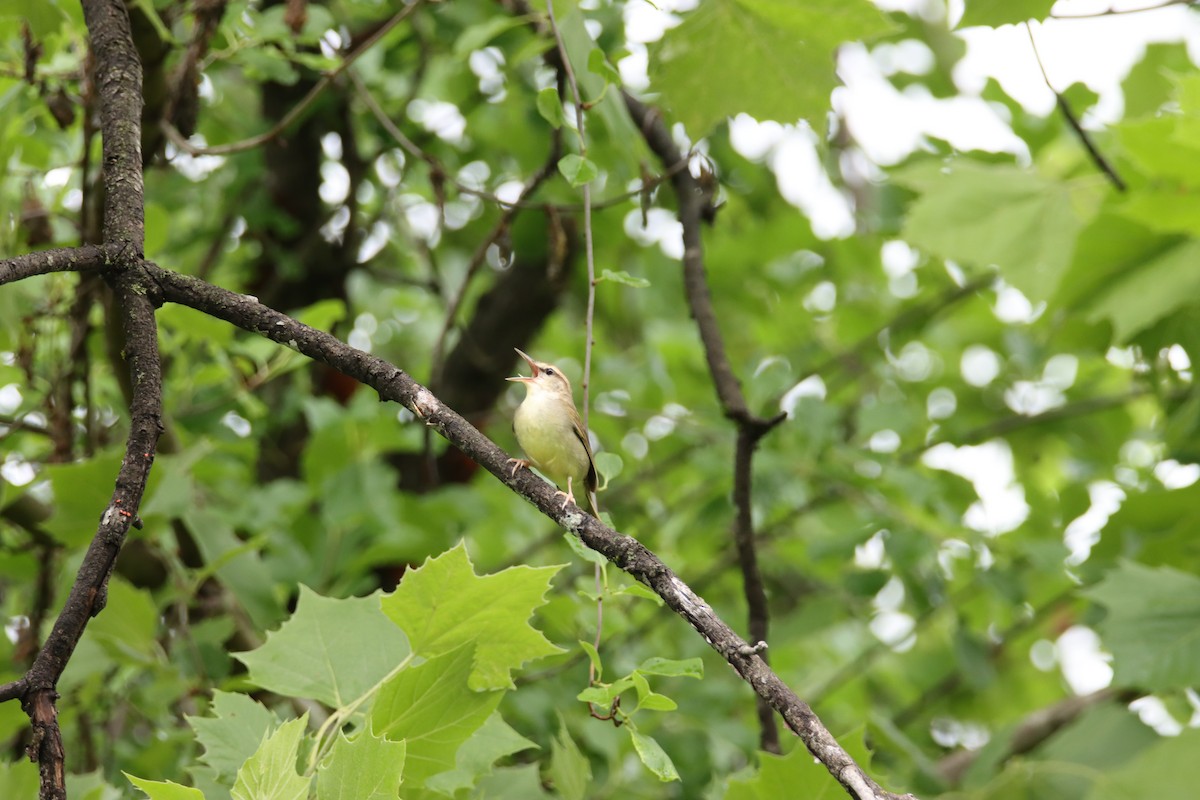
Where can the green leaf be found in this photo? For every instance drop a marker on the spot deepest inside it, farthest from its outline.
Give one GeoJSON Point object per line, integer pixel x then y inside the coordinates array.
{"type": "Point", "coordinates": [1149, 84]}
{"type": "Point", "coordinates": [1003, 12]}
{"type": "Point", "coordinates": [365, 767]}
{"type": "Point", "coordinates": [44, 17]}
{"type": "Point", "coordinates": [609, 465]}
{"type": "Point", "coordinates": [1169, 768]}
{"type": "Point", "coordinates": [476, 37]}
{"type": "Point", "coordinates": [82, 492]}
{"type": "Point", "coordinates": [982, 215]}
{"type": "Point", "coordinates": [128, 629]}
{"type": "Point", "coordinates": [434, 710]}
{"type": "Point", "coordinates": [330, 650]}
{"type": "Point", "coordinates": [443, 604]}
{"type": "Point", "coordinates": [621, 276]}
{"type": "Point", "coordinates": [772, 59]}
{"type": "Point", "coordinates": [1155, 147]}
{"type": "Point", "coordinates": [1169, 210]}
{"type": "Point", "coordinates": [570, 771]}
{"type": "Point", "coordinates": [323, 315]}
{"type": "Point", "coordinates": [164, 790]}
{"type": "Point", "coordinates": [549, 105]}
{"type": "Point", "coordinates": [598, 65]}
{"type": "Point", "coordinates": [655, 758]}
{"type": "Point", "coordinates": [577, 170]}
{"type": "Point", "coordinates": [233, 732]}
{"type": "Point", "coordinates": [270, 774]}
{"type": "Point", "coordinates": [1158, 287]}
{"type": "Point", "coordinates": [18, 779]}
{"type": "Point", "coordinates": [1152, 627]}
{"type": "Point", "coordinates": [157, 226]}
{"type": "Point", "coordinates": [797, 774]}
{"type": "Point", "coordinates": [237, 563]}
{"type": "Point", "coordinates": [513, 783]}
{"type": "Point", "coordinates": [494, 740]}
{"type": "Point", "coordinates": [582, 550]}
{"type": "Point", "coordinates": [593, 657]}
{"type": "Point", "coordinates": [686, 668]}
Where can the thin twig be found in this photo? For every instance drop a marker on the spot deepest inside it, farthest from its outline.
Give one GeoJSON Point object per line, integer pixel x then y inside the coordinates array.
{"type": "Point", "coordinates": [1109, 12]}
{"type": "Point", "coordinates": [1097, 157]}
{"type": "Point", "coordinates": [564, 61]}
{"type": "Point", "coordinates": [300, 108]}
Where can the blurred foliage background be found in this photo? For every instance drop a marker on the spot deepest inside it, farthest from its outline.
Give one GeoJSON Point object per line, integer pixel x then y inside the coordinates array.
{"type": "Point", "coordinates": [978, 515]}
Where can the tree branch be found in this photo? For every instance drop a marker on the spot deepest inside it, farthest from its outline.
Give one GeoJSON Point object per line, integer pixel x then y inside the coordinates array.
{"type": "Point", "coordinates": [88, 258]}
{"type": "Point", "coordinates": [1093, 152]}
{"type": "Point", "coordinates": [694, 209]}
{"type": "Point", "coordinates": [627, 553]}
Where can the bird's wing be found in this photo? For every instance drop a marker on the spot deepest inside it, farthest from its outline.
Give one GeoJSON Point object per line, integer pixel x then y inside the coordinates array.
{"type": "Point", "coordinates": [592, 481]}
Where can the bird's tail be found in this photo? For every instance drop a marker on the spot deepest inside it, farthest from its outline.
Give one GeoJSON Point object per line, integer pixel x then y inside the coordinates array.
{"type": "Point", "coordinates": [595, 507]}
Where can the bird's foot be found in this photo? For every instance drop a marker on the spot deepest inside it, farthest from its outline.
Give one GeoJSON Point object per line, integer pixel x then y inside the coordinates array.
{"type": "Point", "coordinates": [517, 464]}
{"type": "Point", "coordinates": [566, 496]}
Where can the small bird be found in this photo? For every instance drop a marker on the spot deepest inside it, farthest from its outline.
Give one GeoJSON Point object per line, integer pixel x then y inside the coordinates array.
{"type": "Point", "coordinates": [550, 432]}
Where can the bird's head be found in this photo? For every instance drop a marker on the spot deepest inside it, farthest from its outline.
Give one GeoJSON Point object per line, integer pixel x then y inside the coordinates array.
{"type": "Point", "coordinates": [545, 378]}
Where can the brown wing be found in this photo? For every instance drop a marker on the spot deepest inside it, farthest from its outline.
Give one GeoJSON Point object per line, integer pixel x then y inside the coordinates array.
{"type": "Point", "coordinates": [591, 481]}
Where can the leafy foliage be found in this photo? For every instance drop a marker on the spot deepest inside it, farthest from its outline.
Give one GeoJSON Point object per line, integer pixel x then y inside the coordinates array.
{"type": "Point", "coordinates": [989, 446]}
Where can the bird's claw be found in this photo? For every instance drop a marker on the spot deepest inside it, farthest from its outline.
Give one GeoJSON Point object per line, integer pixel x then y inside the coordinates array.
{"type": "Point", "coordinates": [566, 496]}
{"type": "Point", "coordinates": [517, 464]}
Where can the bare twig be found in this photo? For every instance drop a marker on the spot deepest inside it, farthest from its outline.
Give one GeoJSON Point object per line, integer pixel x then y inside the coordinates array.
{"type": "Point", "coordinates": [694, 210]}
{"type": "Point", "coordinates": [564, 62]}
{"type": "Point", "coordinates": [1108, 12]}
{"type": "Point", "coordinates": [300, 108]}
{"type": "Point", "coordinates": [1097, 157]}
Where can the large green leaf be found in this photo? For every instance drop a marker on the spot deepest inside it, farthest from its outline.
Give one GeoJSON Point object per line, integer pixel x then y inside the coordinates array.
{"type": "Point", "coordinates": [433, 710]}
{"type": "Point", "coordinates": [1003, 12]}
{"type": "Point", "coordinates": [364, 767]}
{"type": "Point", "coordinates": [1009, 217]}
{"type": "Point", "coordinates": [1167, 769]}
{"type": "Point", "coordinates": [771, 59]}
{"type": "Point", "coordinates": [233, 732]}
{"type": "Point", "coordinates": [270, 774]}
{"type": "Point", "coordinates": [1156, 288]}
{"type": "Point", "coordinates": [330, 650]}
{"type": "Point", "coordinates": [494, 740]}
{"type": "Point", "coordinates": [1152, 627]}
{"type": "Point", "coordinates": [443, 604]}
{"type": "Point", "coordinates": [796, 774]}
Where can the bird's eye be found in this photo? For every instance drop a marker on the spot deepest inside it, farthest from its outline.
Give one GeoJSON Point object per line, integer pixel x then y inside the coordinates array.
{"type": "Point", "coordinates": [549, 370]}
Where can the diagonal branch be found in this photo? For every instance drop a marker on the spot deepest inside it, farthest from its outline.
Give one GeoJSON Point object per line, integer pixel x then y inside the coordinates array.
{"type": "Point", "coordinates": [624, 551]}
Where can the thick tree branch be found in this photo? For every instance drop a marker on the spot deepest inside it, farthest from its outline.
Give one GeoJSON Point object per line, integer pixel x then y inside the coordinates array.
{"type": "Point", "coordinates": [627, 553]}
{"type": "Point", "coordinates": [118, 77]}
{"type": "Point", "coordinates": [119, 83]}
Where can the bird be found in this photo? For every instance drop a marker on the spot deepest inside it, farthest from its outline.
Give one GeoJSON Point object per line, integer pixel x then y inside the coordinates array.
{"type": "Point", "coordinates": [550, 432]}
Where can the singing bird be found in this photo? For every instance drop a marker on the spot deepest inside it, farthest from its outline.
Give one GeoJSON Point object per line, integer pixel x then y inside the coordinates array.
{"type": "Point", "coordinates": [550, 432]}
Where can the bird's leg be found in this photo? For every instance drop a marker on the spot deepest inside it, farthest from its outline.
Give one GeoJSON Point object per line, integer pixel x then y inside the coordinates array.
{"type": "Point", "coordinates": [568, 496]}
{"type": "Point", "coordinates": [517, 464]}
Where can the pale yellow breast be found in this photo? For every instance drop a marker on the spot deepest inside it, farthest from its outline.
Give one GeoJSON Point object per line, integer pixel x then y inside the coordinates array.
{"type": "Point", "coordinates": [546, 432]}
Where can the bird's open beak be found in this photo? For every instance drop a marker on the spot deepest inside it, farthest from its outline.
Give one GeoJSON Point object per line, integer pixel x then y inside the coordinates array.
{"type": "Point", "coordinates": [532, 365]}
